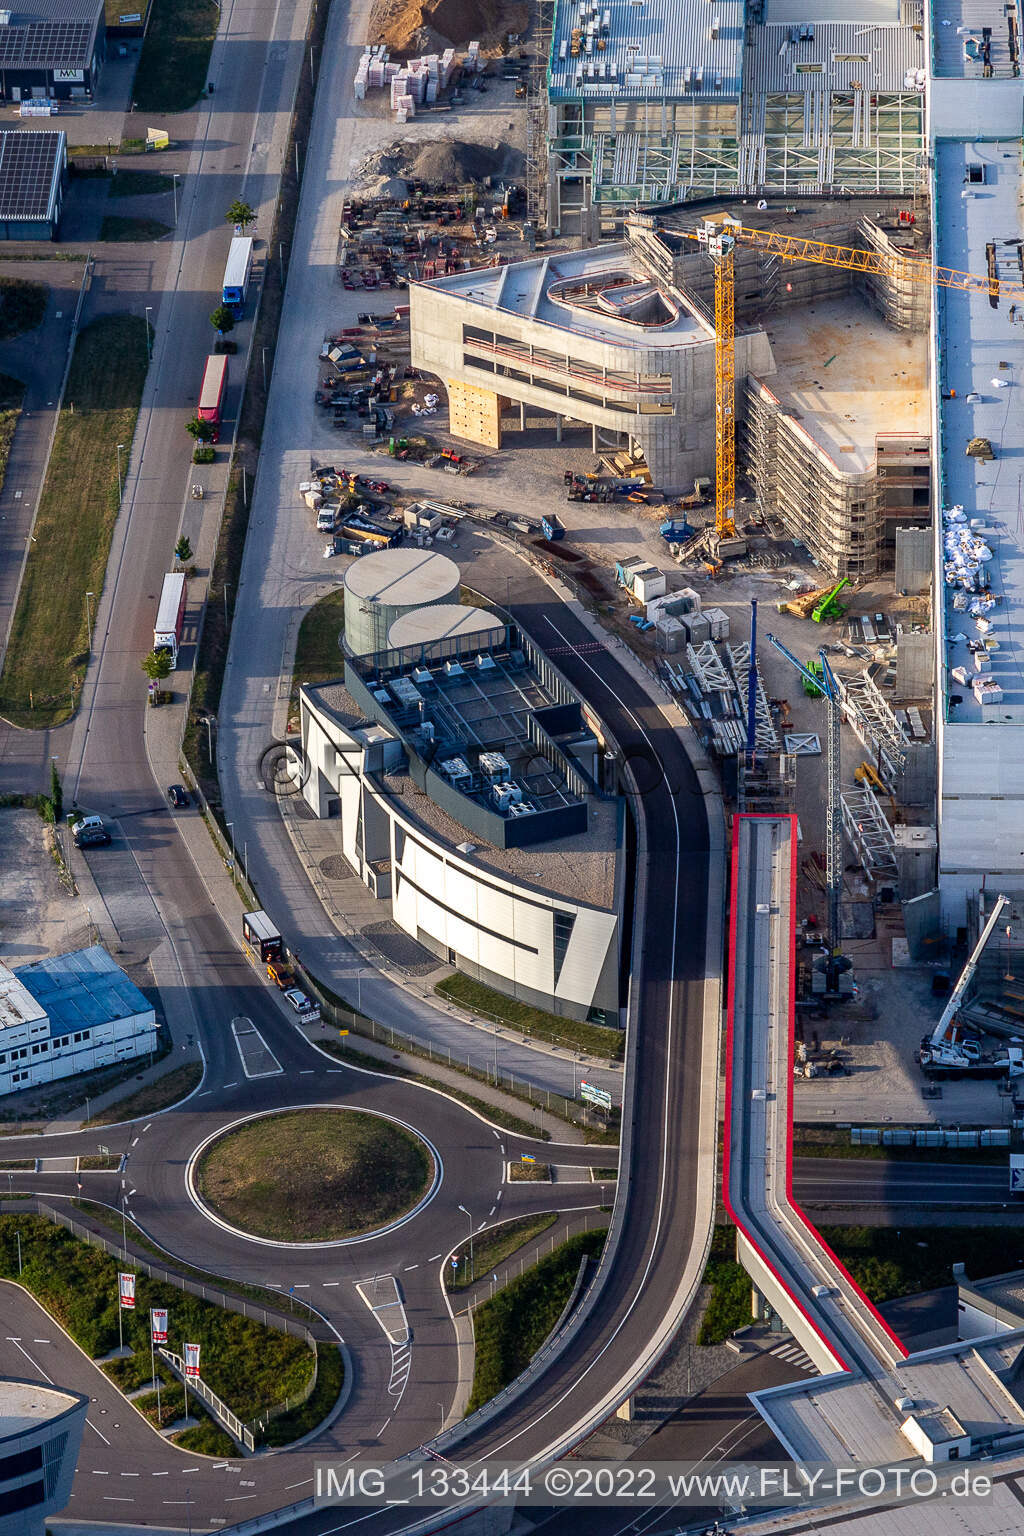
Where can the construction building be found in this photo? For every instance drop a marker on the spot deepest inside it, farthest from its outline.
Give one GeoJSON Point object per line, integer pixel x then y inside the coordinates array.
{"type": "Point", "coordinates": [830, 367]}
{"type": "Point", "coordinates": [654, 102]}
{"type": "Point", "coordinates": [466, 780]}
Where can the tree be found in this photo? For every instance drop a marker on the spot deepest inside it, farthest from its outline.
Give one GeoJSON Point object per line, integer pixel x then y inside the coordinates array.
{"type": "Point", "coordinates": [56, 793]}
{"type": "Point", "coordinates": [222, 320]}
{"type": "Point", "coordinates": [157, 665]}
{"type": "Point", "coordinates": [241, 214]}
{"type": "Point", "coordinates": [201, 430]}
{"type": "Point", "coordinates": [183, 549]}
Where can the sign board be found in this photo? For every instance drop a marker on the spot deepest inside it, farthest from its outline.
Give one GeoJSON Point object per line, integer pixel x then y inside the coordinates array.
{"type": "Point", "coordinates": [126, 1291]}
{"type": "Point", "coordinates": [191, 1360]}
{"type": "Point", "coordinates": [526, 1158]}
{"type": "Point", "coordinates": [158, 1320]}
{"type": "Point", "coordinates": [74, 76]}
{"type": "Point", "coordinates": [598, 1096]}
{"type": "Point", "coordinates": [129, 21]}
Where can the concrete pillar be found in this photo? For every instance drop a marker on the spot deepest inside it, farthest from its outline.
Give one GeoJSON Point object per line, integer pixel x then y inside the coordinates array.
{"type": "Point", "coordinates": [522, 415]}
{"type": "Point", "coordinates": [757, 1305]}
{"type": "Point", "coordinates": [558, 429]}
{"type": "Point", "coordinates": [593, 436]}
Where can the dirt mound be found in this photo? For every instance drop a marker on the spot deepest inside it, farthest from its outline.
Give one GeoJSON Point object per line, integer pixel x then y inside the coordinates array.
{"type": "Point", "coordinates": [410, 27]}
{"type": "Point", "coordinates": [445, 163]}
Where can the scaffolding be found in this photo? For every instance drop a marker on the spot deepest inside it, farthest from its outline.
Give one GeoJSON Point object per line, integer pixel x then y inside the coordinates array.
{"type": "Point", "coordinates": [875, 726]}
{"type": "Point", "coordinates": [765, 736]}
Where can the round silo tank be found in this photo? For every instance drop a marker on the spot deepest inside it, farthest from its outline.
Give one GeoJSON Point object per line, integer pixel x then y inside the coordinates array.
{"type": "Point", "coordinates": [380, 588]}
{"type": "Point", "coordinates": [446, 629]}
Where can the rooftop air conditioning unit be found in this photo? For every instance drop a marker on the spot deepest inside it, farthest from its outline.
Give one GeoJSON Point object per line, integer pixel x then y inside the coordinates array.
{"type": "Point", "coordinates": [716, 27]}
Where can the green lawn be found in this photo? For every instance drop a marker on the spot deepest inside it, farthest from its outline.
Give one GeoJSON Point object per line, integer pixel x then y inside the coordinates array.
{"type": "Point", "coordinates": [251, 1367]}
{"type": "Point", "coordinates": [175, 55]}
{"type": "Point", "coordinates": [140, 184]}
{"type": "Point", "coordinates": [493, 1248]}
{"type": "Point", "coordinates": [118, 226]}
{"type": "Point", "coordinates": [887, 1262]}
{"type": "Point", "coordinates": [48, 648]}
{"type": "Point", "coordinates": [318, 648]}
{"type": "Point", "coordinates": [160, 1094]}
{"type": "Point", "coordinates": [595, 1039]}
{"type": "Point", "coordinates": [730, 1305]}
{"type": "Point", "coordinates": [22, 306]}
{"type": "Point", "coordinates": [512, 1326]}
{"type": "Point", "coordinates": [314, 1175]}
{"type": "Point", "coordinates": [330, 1378]}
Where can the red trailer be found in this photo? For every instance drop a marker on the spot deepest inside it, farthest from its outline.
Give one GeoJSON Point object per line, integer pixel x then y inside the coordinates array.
{"type": "Point", "coordinates": [211, 394]}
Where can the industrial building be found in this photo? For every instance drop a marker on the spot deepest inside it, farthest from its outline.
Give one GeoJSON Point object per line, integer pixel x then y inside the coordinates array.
{"type": "Point", "coordinates": [40, 1434]}
{"type": "Point", "coordinates": [52, 51]}
{"type": "Point", "coordinates": [831, 369]}
{"type": "Point", "coordinates": [647, 104]}
{"type": "Point", "coordinates": [69, 1014]}
{"type": "Point", "coordinates": [33, 180]}
{"type": "Point", "coordinates": [466, 778]}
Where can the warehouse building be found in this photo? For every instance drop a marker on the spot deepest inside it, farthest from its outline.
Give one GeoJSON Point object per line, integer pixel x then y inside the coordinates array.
{"type": "Point", "coordinates": [33, 179]}
{"type": "Point", "coordinates": [653, 103]}
{"type": "Point", "coordinates": [465, 777]}
{"type": "Point", "coordinates": [69, 1014]}
{"type": "Point", "coordinates": [52, 51]}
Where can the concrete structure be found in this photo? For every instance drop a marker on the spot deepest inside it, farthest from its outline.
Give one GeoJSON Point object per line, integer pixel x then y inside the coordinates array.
{"type": "Point", "coordinates": [40, 1433]}
{"type": "Point", "coordinates": [876, 1406]}
{"type": "Point", "coordinates": [381, 587]}
{"type": "Point", "coordinates": [466, 785]}
{"type": "Point", "coordinates": [620, 338]}
{"type": "Point", "coordinates": [655, 104]}
{"type": "Point", "coordinates": [33, 179]}
{"type": "Point", "coordinates": [69, 1014]}
{"type": "Point", "coordinates": [53, 50]}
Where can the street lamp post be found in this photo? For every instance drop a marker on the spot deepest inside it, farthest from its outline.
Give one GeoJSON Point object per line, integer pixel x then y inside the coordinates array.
{"type": "Point", "coordinates": [472, 1266]}
{"type": "Point", "coordinates": [174, 189]}
{"type": "Point", "coordinates": [120, 480]}
{"type": "Point", "coordinates": [88, 621]}
{"type": "Point", "coordinates": [441, 1407]}
{"type": "Point", "coordinates": [149, 335]}
{"type": "Point", "coordinates": [208, 722]}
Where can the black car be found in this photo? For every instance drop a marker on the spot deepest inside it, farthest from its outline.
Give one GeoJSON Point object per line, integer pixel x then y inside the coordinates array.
{"type": "Point", "coordinates": [177, 798]}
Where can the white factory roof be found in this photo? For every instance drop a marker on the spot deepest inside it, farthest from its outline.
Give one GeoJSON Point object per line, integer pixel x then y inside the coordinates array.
{"type": "Point", "coordinates": [978, 345]}
{"type": "Point", "coordinates": [651, 48]}
{"type": "Point", "coordinates": [842, 54]}
{"type": "Point", "coordinates": [402, 577]}
{"type": "Point", "coordinates": [17, 1005]}
{"type": "Point", "coordinates": [26, 1405]}
{"type": "Point", "coordinates": [524, 288]}
{"type": "Point", "coordinates": [445, 621]}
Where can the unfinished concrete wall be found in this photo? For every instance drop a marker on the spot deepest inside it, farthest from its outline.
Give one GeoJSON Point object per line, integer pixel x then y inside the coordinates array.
{"type": "Point", "coordinates": [915, 653]}
{"type": "Point", "coordinates": [914, 560]}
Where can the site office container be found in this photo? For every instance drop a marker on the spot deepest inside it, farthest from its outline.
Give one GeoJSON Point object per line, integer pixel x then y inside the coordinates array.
{"type": "Point", "coordinates": [211, 393]}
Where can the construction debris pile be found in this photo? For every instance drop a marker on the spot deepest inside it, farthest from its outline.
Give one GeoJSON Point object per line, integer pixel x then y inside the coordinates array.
{"type": "Point", "coordinates": [966, 556]}
{"type": "Point", "coordinates": [408, 27]}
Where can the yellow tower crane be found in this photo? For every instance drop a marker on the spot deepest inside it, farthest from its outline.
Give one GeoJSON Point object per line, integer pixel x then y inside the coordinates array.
{"type": "Point", "coordinates": [720, 238]}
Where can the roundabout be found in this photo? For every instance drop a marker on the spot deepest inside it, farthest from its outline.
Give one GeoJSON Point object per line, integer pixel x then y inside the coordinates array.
{"type": "Point", "coordinates": [318, 1176]}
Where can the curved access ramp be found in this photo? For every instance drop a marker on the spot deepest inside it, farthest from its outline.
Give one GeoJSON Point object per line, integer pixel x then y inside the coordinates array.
{"type": "Point", "coordinates": [792, 1266]}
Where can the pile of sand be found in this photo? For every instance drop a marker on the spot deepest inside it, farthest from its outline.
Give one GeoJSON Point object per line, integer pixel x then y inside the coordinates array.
{"type": "Point", "coordinates": [411, 27]}
{"type": "Point", "coordinates": [445, 163]}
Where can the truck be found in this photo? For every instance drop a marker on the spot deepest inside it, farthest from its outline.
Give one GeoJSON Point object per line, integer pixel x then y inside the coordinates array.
{"type": "Point", "coordinates": [170, 616]}
{"type": "Point", "coordinates": [211, 392]}
{"type": "Point", "coordinates": [236, 274]}
{"type": "Point", "coordinates": [552, 527]}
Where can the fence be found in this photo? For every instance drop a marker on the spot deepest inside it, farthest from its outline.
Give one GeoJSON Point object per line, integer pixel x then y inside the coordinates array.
{"type": "Point", "coordinates": [219, 1298]}
{"type": "Point", "coordinates": [229, 1420]}
{"type": "Point", "coordinates": [895, 1136]}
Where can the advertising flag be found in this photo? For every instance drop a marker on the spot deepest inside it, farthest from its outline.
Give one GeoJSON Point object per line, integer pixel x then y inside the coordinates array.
{"type": "Point", "coordinates": [126, 1291]}
{"type": "Point", "coordinates": [191, 1360]}
{"type": "Point", "coordinates": [158, 1318]}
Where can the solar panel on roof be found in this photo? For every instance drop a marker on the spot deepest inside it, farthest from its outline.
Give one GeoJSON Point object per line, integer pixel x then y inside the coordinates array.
{"type": "Point", "coordinates": [27, 162]}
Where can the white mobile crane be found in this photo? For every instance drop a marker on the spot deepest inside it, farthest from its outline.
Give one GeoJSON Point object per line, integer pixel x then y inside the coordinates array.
{"type": "Point", "coordinates": [944, 1047]}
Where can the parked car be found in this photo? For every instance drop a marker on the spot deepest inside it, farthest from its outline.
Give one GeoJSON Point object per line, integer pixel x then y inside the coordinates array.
{"type": "Point", "coordinates": [304, 1006]}
{"type": "Point", "coordinates": [177, 797]}
{"type": "Point", "coordinates": [90, 832]}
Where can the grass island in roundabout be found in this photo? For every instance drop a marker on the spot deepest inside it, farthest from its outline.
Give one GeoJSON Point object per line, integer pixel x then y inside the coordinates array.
{"type": "Point", "coordinates": [315, 1175]}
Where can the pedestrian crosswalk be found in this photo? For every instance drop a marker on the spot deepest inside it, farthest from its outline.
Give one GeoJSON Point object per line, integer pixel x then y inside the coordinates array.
{"type": "Point", "coordinates": [794, 1355]}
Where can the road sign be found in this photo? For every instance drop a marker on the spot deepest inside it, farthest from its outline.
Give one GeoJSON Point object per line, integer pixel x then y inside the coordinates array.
{"type": "Point", "coordinates": [527, 1159]}
{"type": "Point", "coordinates": [598, 1096]}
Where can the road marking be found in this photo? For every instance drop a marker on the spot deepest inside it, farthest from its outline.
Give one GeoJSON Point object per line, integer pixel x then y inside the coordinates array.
{"type": "Point", "coordinates": [497, 1135]}
{"type": "Point", "coordinates": [493, 1208]}
{"type": "Point", "coordinates": [40, 1341]}
{"type": "Point", "coordinates": [132, 1192]}
{"type": "Point", "coordinates": [98, 1431]}
{"type": "Point", "coordinates": [134, 1141]}
{"type": "Point", "coordinates": [117, 1498]}
{"type": "Point", "coordinates": [329, 1283]}
{"type": "Point", "coordinates": [307, 1071]}
{"type": "Point", "coordinates": [500, 1193]}
{"type": "Point", "coordinates": [410, 1266]}
{"type": "Point", "coordinates": [289, 1486]}
{"type": "Point", "coordinates": [273, 1071]}
{"type": "Point", "coordinates": [131, 1474]}
{"type": "Point", "coordinates": [238, 1497]}
{"type": "Point", "coordinates": [383, 1427]}
{"type": "Point", "coordinates": [145, 1128]}
{"type": "Point", "coordinates": [433, 1258]}
{"type": "Point", "coordinates": [204, 1093]}
{"type": "Point", "coordinates": [97, 1473]}
{"type": "Point", "coordinates": [159, 1474]}
{"type": "Point", "coordinates": [232, 1085]}
{"type": "Point", "coordinates": [301, 1285]}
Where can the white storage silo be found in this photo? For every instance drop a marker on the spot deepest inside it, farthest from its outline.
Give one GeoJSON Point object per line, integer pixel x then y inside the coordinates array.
{"type": "Point", "coordinates": [380, 588]}
{"type": "Point", "coordinates": [446, 629]}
